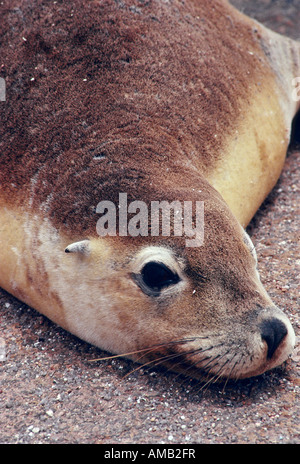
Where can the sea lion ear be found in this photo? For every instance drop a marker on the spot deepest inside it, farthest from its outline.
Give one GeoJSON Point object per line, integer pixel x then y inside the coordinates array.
{"type": "Point", "coordinates": [79, 247]}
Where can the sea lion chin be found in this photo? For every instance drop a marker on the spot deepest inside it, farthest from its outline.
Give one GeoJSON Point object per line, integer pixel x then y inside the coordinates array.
{"type": "Point", "coordinates": [134, 153]}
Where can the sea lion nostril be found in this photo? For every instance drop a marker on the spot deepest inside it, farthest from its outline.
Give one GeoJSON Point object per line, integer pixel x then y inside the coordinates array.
{"type": "Point", "coordinates": [272, 332]}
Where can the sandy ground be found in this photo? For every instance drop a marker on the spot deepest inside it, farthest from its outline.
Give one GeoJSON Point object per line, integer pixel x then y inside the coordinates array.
{"type": "Point", "coordinates": [51, 392]}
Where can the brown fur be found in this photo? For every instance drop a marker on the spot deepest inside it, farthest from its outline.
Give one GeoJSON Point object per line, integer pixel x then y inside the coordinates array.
{"type": "Point", "coordinates": [155, 95]}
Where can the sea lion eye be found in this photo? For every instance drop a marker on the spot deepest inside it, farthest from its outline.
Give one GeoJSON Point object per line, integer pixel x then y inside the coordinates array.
{"type": "Point", "coordinates": [157, 276]}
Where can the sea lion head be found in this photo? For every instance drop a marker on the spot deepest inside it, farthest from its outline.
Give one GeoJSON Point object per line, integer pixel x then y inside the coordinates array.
{"type": "Point", "coordinates": [198, 309]}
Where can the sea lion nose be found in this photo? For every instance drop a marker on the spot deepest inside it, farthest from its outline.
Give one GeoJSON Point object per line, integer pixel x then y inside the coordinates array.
{"type": "Point", "coordinates": [273, 332]}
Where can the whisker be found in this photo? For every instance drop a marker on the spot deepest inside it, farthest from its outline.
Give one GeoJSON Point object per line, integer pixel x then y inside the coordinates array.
{"type": "Point", "coordinates": [205, 364]}
{"type": "Point", "coordinates": [221, 370]}
{"type": "Point", "coordinates": [122, 355]}
{"type": "Point", "coordinates": [191, 352]}
{"type": "Point", "coordinates": [213, 379]}
{"type": "Point", "coordinates": [171, 343]}
{"type": "Point", "coordinates": [143, 350]}
{"type": "Point", "coordinates": [216, 376]}
{"type": "Point", "coordinates": [185, 372]}
{"type": "Point", "coordinates": [193, 365]}
{"type": "Point", "coordinates": [231, 370]}
{"type": "Point", "coordinates": [242, 365]}
{"type": "Point", "coordinates": [158, 361]}
{"type": "Point", "coordinates": [210, 359]}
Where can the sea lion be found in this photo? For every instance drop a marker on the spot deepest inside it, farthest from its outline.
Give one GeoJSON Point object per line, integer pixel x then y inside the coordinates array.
{"type": "Point", "coordinates": [185, 102]}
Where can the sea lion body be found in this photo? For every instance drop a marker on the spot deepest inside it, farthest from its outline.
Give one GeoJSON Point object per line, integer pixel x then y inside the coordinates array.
{"type": "Point", "coordinates": [161, 102]}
